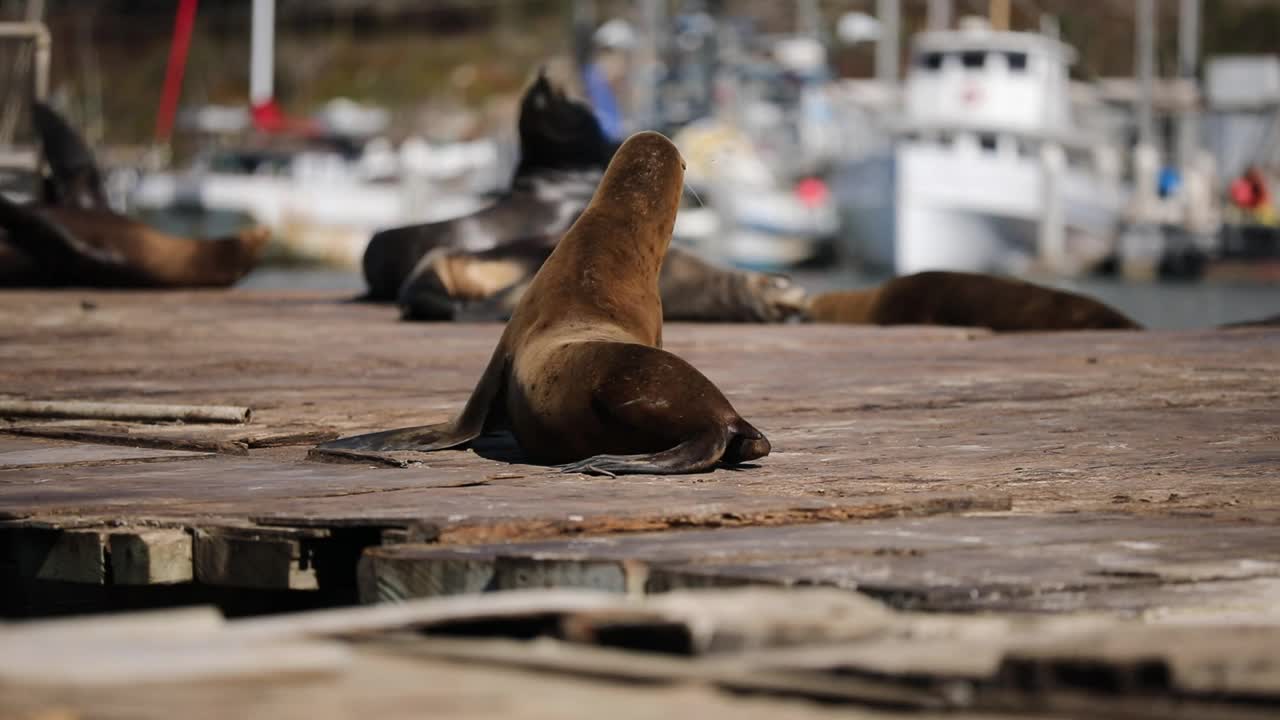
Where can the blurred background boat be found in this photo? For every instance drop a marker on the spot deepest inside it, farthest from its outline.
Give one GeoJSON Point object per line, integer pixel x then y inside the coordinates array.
{"type": "Point", "coordinates": [839, 141]}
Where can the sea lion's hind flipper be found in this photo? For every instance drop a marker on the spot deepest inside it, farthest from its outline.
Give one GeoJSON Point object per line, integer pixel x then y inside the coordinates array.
{"type": "Point", "coordinates": [697, 454]}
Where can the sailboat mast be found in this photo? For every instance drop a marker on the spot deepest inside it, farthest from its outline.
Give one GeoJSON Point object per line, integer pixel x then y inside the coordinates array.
{"type": "Point", "coordinates": [262, 52]}
{"type": "Point", "coordinates": [1188, 63]}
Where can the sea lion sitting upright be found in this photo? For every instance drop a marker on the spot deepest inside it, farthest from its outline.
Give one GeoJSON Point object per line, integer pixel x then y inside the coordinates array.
{"type": "Point", "coordinates": [579, 375]}
{"type": "Point", "coordinates": [969, 300]}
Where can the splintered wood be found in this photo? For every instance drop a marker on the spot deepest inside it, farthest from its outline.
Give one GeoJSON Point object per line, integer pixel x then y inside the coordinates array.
{"type": "Point", "coordinates": [1124, 475]}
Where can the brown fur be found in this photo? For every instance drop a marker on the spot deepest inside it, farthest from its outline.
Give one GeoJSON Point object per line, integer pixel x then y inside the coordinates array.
{"type": "Point", "coordinates": [970, 300]}
{"type": "Point", "coordinates": [579, 374]}
{"type": "Point", "coordinates": [488, 284]}
{"type": "Point", "coordinates": [75, 246]}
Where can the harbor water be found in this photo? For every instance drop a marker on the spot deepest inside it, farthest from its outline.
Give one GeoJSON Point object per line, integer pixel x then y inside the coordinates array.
{"type": "Point", "coordinates": [1157, 305]}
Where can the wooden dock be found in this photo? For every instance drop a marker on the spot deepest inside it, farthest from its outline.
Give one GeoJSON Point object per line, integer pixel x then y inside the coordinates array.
{"type": "Point", "coordinates": [1106, 500]}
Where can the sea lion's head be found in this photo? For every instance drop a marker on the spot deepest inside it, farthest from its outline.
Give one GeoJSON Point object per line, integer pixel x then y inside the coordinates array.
{"type": "Point", "coordinates": [558, 132]}
{"type": "Point", "coordinates": [644, 180]}
{"type": "Point", "coordinates": [254, 240]}
{"type": "Point", "coordinates": [241, 252]}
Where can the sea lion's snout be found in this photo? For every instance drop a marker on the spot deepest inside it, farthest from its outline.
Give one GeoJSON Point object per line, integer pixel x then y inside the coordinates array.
{"type": "Point", "coordinates": [255, 239]}
{"type": "Point", "coordinates": [649, 142]}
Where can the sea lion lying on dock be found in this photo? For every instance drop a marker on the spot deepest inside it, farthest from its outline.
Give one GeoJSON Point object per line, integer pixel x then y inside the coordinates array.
{"type": "Point", "coordinates": [579, 375]}
{"type": "Point", "coordinates": [486, 285]}
{"type": "Point", "coordinates": [443, 270]}
{"type": "Point", "coordinates": [74, 247]}
{"type": "Point", "coordinates": [969, 300]}
{"type": "Point", "coordinates": [70, 237]}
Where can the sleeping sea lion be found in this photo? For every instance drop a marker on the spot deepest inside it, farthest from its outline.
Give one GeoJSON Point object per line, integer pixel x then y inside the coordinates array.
{"type": "Point", "coordinates": [969, 300]}
{"type": "Point", "coordinates": [65, 246]}
{"type": "Point", "coordinates": [579, 375]}
{"type": "Point", "coordinates": [455, 284]}
{"type": "Point", "coordinates": [563, 154]}
{"type": "Point", "coordinates": [71, 237]}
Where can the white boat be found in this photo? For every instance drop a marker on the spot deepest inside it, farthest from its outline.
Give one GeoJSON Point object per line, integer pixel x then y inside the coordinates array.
{"type": "Point", "coordinates": [322, 206]}
{"type": "Point", "coordinates": [986, 170]}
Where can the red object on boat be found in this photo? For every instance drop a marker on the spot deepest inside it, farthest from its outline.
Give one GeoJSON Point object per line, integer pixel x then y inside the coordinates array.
{"type": "Point", "coordinates": [182, 25]}
{"type": "Point", "coordinates": [268, 117]}
{"type": "Point", "coordinates": [812, 192]}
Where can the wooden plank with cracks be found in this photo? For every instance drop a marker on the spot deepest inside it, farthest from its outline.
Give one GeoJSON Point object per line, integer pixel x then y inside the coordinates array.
{"type": "Point", "coordinates": [990, 562]}
{"type": "Point", "coordinates": [277, 559]}
{"type": "Point", "coordinates": [151, 556]}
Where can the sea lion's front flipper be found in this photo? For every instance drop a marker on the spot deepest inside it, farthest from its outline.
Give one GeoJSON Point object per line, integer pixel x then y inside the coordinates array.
{"type": "Point", "coordinates": [696, 290]}
{"type": "Point", "coordinates": [77, 181]}
{"type": "Point", "coordinates": [496, 308]}
{"type": "Point", "coordinates": [483, 410]}
{"type": "Point", "coordinates": [450, 284]}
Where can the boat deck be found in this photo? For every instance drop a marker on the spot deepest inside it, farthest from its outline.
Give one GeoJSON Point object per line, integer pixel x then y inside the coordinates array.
{"type": "Point", "coordinates": [946, 470]}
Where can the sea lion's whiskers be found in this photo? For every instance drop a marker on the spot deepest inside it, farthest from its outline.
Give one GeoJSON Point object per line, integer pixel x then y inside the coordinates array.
{"type": "Point", "coordinates": [693, 192]}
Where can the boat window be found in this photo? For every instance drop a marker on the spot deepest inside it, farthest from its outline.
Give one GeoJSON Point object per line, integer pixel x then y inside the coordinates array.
{"type": "Point", "coordinates": [931, 61]}
{"type": "Point", "coordinates": [988, 141]}
{"type": "Point", "coordinates": [1017, 61]}
{"type": "Point", "coordinates": [973, 60]}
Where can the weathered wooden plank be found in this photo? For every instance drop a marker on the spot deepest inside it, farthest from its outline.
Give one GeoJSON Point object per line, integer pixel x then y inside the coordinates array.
{"type": "Point", "coordinates": [945, 562]}
{"type": "Point", "coordinates": [154, 556]}
{"type": "Point", "coordinates": [148, 649]}
{"type": "Point", "coordinates": [1209, 661]}
{"type": "Point", "coordinates": [385, 680]}
{"type": "Point", "coordinates": [76, 555]}
{"type": "Point", "coordinates": [118, 627]}
{"type": "Point", "coordinates": [267, 559]}
{"type": "Point", "coordinates": [19, 453]}
{"type": "Point", "coordinates": [810, 644]}
{"type": "Point", "coordinates": [866, 424]}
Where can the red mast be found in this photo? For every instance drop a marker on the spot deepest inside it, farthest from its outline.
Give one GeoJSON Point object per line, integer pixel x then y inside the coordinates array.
{"type": "Point", "coordinates": [182, 25]}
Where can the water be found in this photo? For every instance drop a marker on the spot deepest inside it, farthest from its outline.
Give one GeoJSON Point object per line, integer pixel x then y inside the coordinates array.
{"type": "Point", "coordinates": [1155, 305]}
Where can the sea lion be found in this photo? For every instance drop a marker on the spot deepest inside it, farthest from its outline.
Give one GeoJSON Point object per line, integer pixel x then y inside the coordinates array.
{"type": "Point", "coordinates": [455, 284]}
{"type": "Point", "coordinates": [970, 300]}
{"type": "Point", "coordinates": [66, 246]}
{"type": "Point", "coordinates": [563, 154]}
{"type": "Point", "coordinates": [579, 375]}
{"type": "Point", "coordinates": [71, 237]}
